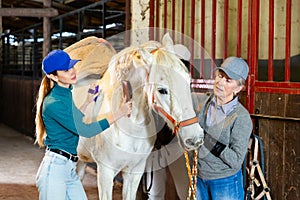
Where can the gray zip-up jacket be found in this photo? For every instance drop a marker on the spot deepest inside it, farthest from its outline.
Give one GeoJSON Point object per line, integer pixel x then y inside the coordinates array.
{"type": "Point", "coordinates": [234, 131]}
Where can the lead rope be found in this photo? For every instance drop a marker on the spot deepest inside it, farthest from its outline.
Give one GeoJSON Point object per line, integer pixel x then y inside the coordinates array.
{"type": "Point", "coordinates": [192, 174]}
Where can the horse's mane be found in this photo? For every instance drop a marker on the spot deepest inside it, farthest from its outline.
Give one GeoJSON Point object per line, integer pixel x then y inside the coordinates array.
{"type": "Point", "coordinates": [166, 56]}
{"type": "Point", "coordinates": [127, 59]}
{"type": "Point", "coordinates": [146, 55]}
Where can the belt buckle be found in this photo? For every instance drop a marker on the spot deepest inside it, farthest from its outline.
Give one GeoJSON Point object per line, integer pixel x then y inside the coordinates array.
{"type": "Point", "coordinates": [73, 158]}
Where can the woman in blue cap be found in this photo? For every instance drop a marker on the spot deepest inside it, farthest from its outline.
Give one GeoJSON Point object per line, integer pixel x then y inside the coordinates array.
{"type": "Point", "coordinates": [227, 125]}
{"type": "Point", "coordinates": [58, 127]}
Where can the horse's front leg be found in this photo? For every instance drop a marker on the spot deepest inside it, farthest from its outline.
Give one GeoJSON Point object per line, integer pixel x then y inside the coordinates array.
{"type": "Point", "coordinates": [105, 180]}
{"type": "Point", "coordinates": [131, 183]}
{"type": "Point", "coordinates": [81, 166]}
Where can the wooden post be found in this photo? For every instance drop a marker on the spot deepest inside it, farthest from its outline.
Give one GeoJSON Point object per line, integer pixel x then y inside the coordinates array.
{"type": "Point", "coordinates": [46, 30]}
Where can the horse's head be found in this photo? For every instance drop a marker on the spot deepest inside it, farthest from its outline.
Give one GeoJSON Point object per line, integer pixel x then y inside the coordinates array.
{"type": "Point", "coordinates": [169, 95]}
{"type": "Point", "coordinates": [132, 64]}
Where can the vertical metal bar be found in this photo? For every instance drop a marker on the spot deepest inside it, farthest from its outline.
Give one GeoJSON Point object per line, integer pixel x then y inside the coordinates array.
{"type": "Point", "coordinates": [165, 15]}
{"type": "Point", "coordinates": [182, 20]}
{"type": "Point", "coordinates": [7, 50]}
{"type": "Point", "coordinates": [151, 18]}
{"type": "Point", "coordinates": [192, 36]}
{"type": "Point", "coordinates": [213, 38]}
{"type": "Point", "coordinates": [239, 28]}
{"type": "Point", "coordinates": [80, 24]}
{"type": "Point", "coordinates": [18, 63]}
{"type": "Point", "coordinates": [104, 20]}
{"type": "Point", "coordinates": [173, 17]}
{"type": "Point", "coordinates": [254, 52]}
{"type": "Point", "coordinates": [202, 38]}
{"type": "Point", "coordinates": [60, 32]}
{"type": "Point", "coordinates": [271, 41]}
{"type": "Point", "coordinates": [287, 71]}
{"type": "Point", "coordinates": [23, 58]}
{"type": "Point", "coordinates": [256, 37]}
{"type": "Point", "coordinates": [249, 97]}
{"type": "Point", "coordinates": [3, 56]}
{"type": "Point", "coordinates": [225, 29]}
{"type": "Point", "coordinates": [249, 33]}
{"type": "Point", "coordinates": [35, 53]}
{"type": "Point", "coordinates": [157, 19]}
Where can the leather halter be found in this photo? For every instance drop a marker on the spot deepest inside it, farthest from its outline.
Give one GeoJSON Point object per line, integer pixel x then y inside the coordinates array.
{"type": "Point", "coordinates": [177, 125]}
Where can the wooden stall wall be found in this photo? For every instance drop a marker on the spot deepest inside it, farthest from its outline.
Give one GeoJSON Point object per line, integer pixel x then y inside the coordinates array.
{"type": "Point", "coordinates": [18, 103]}
{"type": "Point", "coordinates": [266, 35]}
{"type": "Point", "coordinates": [279, 128]}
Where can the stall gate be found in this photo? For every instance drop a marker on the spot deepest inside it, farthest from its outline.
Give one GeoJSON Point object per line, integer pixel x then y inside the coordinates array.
{"type": "Point", "coordinates": [265, 34]}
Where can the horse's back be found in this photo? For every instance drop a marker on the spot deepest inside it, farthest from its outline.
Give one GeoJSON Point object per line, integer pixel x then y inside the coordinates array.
{"type": "Point", "coordinates": [94, 55]}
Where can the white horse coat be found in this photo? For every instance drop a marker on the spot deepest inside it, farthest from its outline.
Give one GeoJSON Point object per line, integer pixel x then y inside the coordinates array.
{"type": "Point", "coordinates": [159, 80]}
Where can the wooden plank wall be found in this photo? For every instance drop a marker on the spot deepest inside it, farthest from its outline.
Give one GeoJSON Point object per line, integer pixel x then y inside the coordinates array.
{"type": "Point", "coordinates": [281, 143]}
{"type": "Point", "coordinates": [17, 103]}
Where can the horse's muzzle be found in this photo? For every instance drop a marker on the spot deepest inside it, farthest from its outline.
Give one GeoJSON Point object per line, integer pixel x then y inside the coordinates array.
{"type": "Point", "coordinates": [193, 144]}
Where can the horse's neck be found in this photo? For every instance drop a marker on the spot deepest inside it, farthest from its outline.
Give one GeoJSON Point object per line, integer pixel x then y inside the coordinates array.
{"type": "Point", "coordinates": [145, 128]}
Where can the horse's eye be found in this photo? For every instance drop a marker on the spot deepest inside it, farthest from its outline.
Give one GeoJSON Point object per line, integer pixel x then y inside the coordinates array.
{"type": "Point", "coordinates": [162, 91]}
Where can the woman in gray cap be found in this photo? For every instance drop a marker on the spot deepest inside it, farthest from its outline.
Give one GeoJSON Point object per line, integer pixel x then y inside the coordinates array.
{"type": "Point", "coordinates": [227, 125]}
{"type": "Point", "coordinates": [58, 127]}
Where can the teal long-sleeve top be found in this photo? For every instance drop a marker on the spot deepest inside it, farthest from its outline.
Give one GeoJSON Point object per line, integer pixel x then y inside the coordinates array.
{"type": "Point", "coordinates": [63, 121]}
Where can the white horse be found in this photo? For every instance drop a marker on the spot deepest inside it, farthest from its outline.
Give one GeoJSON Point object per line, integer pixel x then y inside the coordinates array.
{"type": "Point", "coordinates": [161, 83]}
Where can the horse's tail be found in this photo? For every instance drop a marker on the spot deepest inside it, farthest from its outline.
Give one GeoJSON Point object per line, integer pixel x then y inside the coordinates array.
{"type": "Point", "coordinates": [40, 130]}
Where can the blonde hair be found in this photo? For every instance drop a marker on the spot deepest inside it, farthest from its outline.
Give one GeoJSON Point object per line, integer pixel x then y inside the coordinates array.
{"type": "Point", "coordinates": [40, 130]}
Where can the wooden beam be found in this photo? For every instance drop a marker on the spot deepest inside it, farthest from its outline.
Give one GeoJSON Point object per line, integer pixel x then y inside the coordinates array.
{"type": "Point", "coordinates": [28, 12]}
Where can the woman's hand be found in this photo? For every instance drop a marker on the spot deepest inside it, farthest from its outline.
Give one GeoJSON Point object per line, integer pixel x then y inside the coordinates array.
{"type": "Point", "coordinates": [125, 109]}
{"type": "Point", "coordinates": [91, 95]}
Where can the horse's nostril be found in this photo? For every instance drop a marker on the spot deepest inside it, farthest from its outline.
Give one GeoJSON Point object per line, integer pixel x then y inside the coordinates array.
{"type": "Point", "coordinates": [199, 143]}
{"type": "Point", "coordinates": [189, 142]}
{"type": "Point", "coordinates": [193, 143]}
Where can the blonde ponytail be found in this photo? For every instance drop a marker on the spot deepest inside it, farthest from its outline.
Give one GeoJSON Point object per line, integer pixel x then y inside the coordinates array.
{"type": "Point", "coordinates": [40, 130]}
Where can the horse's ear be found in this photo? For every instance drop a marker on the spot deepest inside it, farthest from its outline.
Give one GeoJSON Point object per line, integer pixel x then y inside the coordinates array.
{"type": "Point", "coordinates": [168, 42]}
{"type": "Point", "coordinates": [182, 52]}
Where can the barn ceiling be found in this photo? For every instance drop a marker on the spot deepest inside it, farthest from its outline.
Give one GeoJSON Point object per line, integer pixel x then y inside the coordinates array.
{"type": "Point", "coordinates": [14, 23]}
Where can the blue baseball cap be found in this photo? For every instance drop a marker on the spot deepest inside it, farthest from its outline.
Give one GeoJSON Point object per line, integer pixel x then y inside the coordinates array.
{"type": "Point", "coordinates": [57, 60]}
{"type": "Point", "coordinates": [235, 68]}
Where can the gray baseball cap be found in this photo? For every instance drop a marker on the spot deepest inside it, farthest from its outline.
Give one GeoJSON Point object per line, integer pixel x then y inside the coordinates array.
{"type": "Point", "coordinates": [235, 68]}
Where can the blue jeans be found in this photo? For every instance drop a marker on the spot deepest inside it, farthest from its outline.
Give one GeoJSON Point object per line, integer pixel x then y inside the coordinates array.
{"type": "Point", "coordinates": [57, 179]}
{"type": "Point", "coordinates": [229, 188]}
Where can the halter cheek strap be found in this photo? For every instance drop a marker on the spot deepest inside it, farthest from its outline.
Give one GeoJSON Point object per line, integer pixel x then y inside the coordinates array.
{"type": "Point", "coordinates": [177, 125]}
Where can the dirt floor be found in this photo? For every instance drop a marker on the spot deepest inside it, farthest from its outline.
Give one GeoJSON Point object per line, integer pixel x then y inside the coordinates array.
{"type": "Point", "coordinates": [19, 162]}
